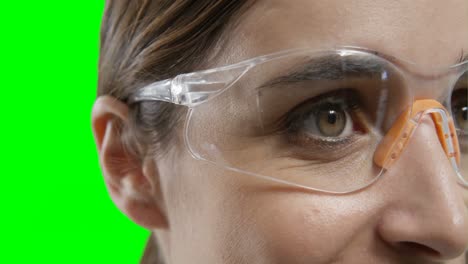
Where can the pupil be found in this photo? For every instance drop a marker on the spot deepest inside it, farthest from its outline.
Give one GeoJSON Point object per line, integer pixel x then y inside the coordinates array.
{"type": "Point", "coordinates": [465, 112]}
{"type": "Point", "coordinates": [332, 117]}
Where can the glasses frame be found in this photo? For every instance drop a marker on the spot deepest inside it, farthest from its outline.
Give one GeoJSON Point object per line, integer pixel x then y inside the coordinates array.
{"type": "Point", "coordinates": [195, 88]}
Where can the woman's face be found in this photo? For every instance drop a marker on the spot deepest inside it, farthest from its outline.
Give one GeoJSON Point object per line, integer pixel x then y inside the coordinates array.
{"type": "Point", "coordinates": [414, 214]}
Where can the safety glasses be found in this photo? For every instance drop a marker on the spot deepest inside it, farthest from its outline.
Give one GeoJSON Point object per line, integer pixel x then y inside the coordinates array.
{"type": "Point", "coordinates": [327, 120]}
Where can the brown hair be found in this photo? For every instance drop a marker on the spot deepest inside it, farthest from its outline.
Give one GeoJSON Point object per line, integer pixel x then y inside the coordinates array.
{"type": "Point", "coordinates": [143, 41]}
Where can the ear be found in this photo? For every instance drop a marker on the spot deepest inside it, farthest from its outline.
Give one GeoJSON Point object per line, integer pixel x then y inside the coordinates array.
{"type": "Point", "coordinates": [132, 184]}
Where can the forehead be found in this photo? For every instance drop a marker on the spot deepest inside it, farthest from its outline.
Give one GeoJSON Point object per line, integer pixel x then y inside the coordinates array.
{"type": "Point", "coordinates": [427, 32]}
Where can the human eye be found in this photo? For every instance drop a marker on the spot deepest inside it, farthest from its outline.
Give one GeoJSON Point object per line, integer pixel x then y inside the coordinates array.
{"type": "Point", "coordinates": [460, 109]}
{"type": "Point", "coordinates": [328, 124]}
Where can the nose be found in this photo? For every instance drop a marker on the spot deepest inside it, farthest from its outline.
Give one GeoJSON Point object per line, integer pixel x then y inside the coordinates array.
{"type": "Point", "coordinates": [428, 216]}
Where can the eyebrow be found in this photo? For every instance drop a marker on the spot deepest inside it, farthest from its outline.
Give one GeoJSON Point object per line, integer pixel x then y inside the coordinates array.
{"type": "Point", "coordinates": [332, 67]}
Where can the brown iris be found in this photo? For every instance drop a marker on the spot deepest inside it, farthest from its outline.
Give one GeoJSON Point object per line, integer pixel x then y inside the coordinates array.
{"type": "Point", "coordinates": [331, 121]}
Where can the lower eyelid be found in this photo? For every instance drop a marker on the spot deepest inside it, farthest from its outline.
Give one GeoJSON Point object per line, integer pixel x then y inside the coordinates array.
{"type": "Point", "coordinates": [328, 151]}
{"type": "Point", "coordinates": [305, 139]}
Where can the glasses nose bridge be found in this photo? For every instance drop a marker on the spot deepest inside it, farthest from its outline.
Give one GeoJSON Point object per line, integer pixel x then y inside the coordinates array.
{"type": "Point", "coordinates": [437, 86]}
{"type": "Point", "coordinates": [398, 137]}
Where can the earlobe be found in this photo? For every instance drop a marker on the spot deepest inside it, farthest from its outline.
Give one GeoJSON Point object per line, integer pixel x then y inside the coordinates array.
{"type": "Point", "coordinates": [132, 184]}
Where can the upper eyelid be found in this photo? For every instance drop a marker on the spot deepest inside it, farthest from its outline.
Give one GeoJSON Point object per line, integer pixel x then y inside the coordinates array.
{"type": "Point", "coordinates": [345, 98]}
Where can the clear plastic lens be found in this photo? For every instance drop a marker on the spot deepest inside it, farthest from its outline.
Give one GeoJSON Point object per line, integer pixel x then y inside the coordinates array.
{"type": "Point", "coordinates": [310, 119]}
{"type": "Point", "coordinates": [330, 121]}
{"type": "Point", "coordinates": [459, 104]}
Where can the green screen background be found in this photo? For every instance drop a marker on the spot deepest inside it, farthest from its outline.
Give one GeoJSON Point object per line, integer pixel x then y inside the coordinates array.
{"type": "Point", "coordinates": [54, 205]}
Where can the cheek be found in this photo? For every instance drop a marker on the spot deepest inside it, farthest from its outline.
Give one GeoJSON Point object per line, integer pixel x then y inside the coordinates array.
{"type": "Point", "coordinates": [235, 218]}
{"type": "Point", "coordinates": [309, 228]}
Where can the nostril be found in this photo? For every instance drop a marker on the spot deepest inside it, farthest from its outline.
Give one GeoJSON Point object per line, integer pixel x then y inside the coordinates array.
{"type": "Point", "coordinates": [419, 249]}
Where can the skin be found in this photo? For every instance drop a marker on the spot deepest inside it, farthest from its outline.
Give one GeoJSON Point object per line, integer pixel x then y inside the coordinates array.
{"type": "Point", "coordinates": [416, 213]}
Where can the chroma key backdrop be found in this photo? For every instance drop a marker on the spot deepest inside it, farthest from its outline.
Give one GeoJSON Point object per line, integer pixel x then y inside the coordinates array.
{"type": "Point", "coordinates": [54, 205]}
